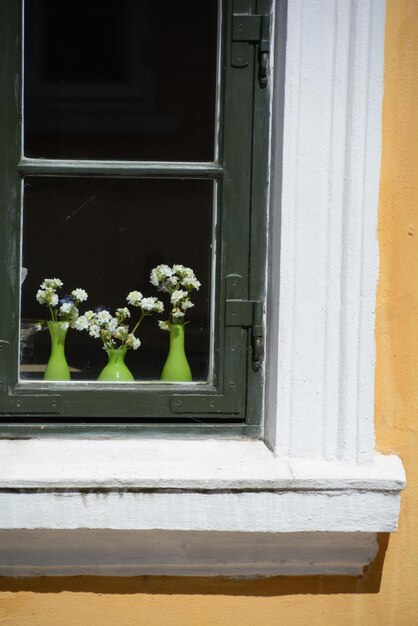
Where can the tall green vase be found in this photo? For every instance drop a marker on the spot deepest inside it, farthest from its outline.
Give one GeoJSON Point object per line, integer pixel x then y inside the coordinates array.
{"type": "Point", "coordinates": [176, 368]}
{"type": "Point", "coordinates": [116, 369]}
{"type": "Point", "coordinates": [57, 366]}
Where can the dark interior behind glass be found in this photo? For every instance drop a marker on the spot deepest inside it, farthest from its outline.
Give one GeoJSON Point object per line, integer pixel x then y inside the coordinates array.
{"type": "Point", "coordinates": [117, 80]}
{"type": "Point", "coordinates": [125, 79]}
{"type": "Point", "coordinates": [105, 235]}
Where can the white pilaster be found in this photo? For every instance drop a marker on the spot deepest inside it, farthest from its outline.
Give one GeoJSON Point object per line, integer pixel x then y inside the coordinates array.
{"type": "Point", "coordinates": [320, 394]}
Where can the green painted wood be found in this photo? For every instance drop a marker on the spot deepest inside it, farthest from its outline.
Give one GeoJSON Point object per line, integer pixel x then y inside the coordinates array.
{"type": "Point", "coordinates": [23, 428]}
{"type": "Point", "coordinates": [239, 313]}
{"type": "Point", "coordinates": [10, 187]}
{"type": "Point", "coordinates": [259, 228]}
{"type": "Point", "coordinates": [235, 200]}
{"type": "Point", "coordinates": [41, 404]}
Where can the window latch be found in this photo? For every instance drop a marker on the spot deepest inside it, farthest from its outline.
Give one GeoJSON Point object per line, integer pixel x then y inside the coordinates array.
{"type": "Point", "coordinates": [251, 29]}
{"type": "Point", "coordinates": [257, 336]}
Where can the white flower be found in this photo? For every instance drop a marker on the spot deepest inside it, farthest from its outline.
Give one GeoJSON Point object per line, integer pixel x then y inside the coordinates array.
{"type": "Point", "coordinates": [64, 325]}
{"type": "Point", "coordinates": [123, 313]}
{"type": "Point", "coordinates": [169, 280]}
{"type": "Point", "coordinates": [159, 274]}
{"type": "Point", "coordinates": [183, 271]}
{"type": "Point", "coordinates": [147, 304]}
{"type": "Point", "coordinates": [66, 307]}
{"type": "Point", "coordinates": [41, 296]}
{"type": "Point", "coordinates": [47, 296]}
{"type": "Point", "coordinates": [164, 271]}
{"type": "Point", "coordinates": [121, 332]}
{"type": "Point", "coordinates": [134, 298]}
{"type": "Point", "coordinates": [52, 283]}
{"type": "Point", "coordinates": [150, 305]}
{"type": "Point", "coordinates": [94, 331]}
{"type": "Point", "coordinates": [103, 317]}
{"type": "Point", "coordinates": [132, 342]}
{"type": "Point", "coordinates": [112, 324]}
{"type": "Point", "coordinates": [89, 315]}
{"type": "Point", "coordinates": [190, 282]}
{"type": "Point", "coordinates": [164, 325]}
{"type": "Point", "coordinates": [82, 323]}
{"type": "Point", "coordinates": [154, 278]}
{"type": "Point", "coordinates": [176, 296]}
{"type": "Point", "coordinates": [79, 294]}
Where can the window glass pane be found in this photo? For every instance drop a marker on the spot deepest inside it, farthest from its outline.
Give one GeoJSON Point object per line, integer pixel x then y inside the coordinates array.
{"type": "Point", "coordinates": [125, 79]}
{"type": "Point", "coordinates": [105, 235]}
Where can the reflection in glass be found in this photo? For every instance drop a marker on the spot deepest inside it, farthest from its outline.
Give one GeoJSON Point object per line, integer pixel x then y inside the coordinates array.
{"type": "Point", "coordinates": [105, 235]}
{"type": "Point", "coordinates": [126, 80]}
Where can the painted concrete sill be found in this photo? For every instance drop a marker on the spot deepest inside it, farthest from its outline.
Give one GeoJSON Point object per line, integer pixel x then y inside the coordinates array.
{"type": "Point", "coordinates": [188, 493]}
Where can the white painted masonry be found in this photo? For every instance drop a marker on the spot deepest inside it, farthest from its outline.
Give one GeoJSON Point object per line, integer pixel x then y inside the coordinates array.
{"type": "Point", "coordinates": [322, 346]}
{"type": "Point", "coordinates": [208, 465]}
{"type": "Point", "coordinates": [310, 497]}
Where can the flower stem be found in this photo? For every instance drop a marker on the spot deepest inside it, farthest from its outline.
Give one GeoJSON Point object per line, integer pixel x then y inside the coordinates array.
{"type": "Point", "coordinates": [138, 323]}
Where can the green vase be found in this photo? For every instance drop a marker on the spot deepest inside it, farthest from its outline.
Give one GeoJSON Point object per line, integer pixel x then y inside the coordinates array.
{"type": "Point", "coordinates": [116, 370]}
{"type": "Point", "coordinates": [57, 367]}
{"type": "Point", "coordinates": [176, 368]}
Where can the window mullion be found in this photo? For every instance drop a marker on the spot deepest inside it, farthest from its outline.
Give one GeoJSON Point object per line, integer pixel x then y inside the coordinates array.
{"type": "Point", "coordinates": [126, 169]}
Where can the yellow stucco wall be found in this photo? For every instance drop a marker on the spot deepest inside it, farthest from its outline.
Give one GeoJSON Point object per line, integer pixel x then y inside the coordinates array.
{"type": "Point", "coordinates": [388, 594]}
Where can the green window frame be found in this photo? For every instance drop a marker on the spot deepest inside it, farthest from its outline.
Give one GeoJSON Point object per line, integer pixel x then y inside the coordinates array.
{"type": "Point", "coordinates": [231, 402]}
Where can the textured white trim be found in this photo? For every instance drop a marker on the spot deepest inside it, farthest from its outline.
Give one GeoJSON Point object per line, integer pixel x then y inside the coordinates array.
{"type": "Point", "coordinates": [237, 512]}
{"type": "Point", "coordinates": [320, 394]}
{"type": "Point", "coordinates": [53, 464]}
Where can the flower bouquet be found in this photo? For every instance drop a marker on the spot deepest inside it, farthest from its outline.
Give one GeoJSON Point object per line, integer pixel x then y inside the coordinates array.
{"type": "Point", "coordinates": [64, 313]}
{"type": "Point", "coordinates": [178, 281]}
{"type": "Point", "coordinates": [115, 334]}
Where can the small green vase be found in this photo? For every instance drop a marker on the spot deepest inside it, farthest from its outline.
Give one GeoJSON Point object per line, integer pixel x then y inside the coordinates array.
{"type": "Point", "coordinates": [176, 368]}
{"type": "Point", "coordinates": [57, 367]}
{"type": "Point", "coordinates": [116, 370]}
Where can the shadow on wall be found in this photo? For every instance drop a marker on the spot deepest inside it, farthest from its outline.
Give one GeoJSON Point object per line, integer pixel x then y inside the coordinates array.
{"type": "Point", "coordinates": [173, 585]}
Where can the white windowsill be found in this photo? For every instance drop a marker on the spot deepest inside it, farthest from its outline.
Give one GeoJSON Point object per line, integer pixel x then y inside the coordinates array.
{"type": "Point", "coordinates": [212, 465]}
{"type": "Point", "coordinates": [172, 507]}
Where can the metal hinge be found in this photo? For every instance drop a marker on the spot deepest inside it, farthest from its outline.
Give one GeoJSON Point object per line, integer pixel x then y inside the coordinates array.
{"type": "Point", "coordinates": [251, 29]}
{"type": "Point", "coordinates": [248, 314]}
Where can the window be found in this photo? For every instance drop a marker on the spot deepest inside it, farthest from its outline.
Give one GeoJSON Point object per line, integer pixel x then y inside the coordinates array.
{"type": "Point", "coordinates": [309, 484]}
{"type": "Point", "coordinates": [135, 133]}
